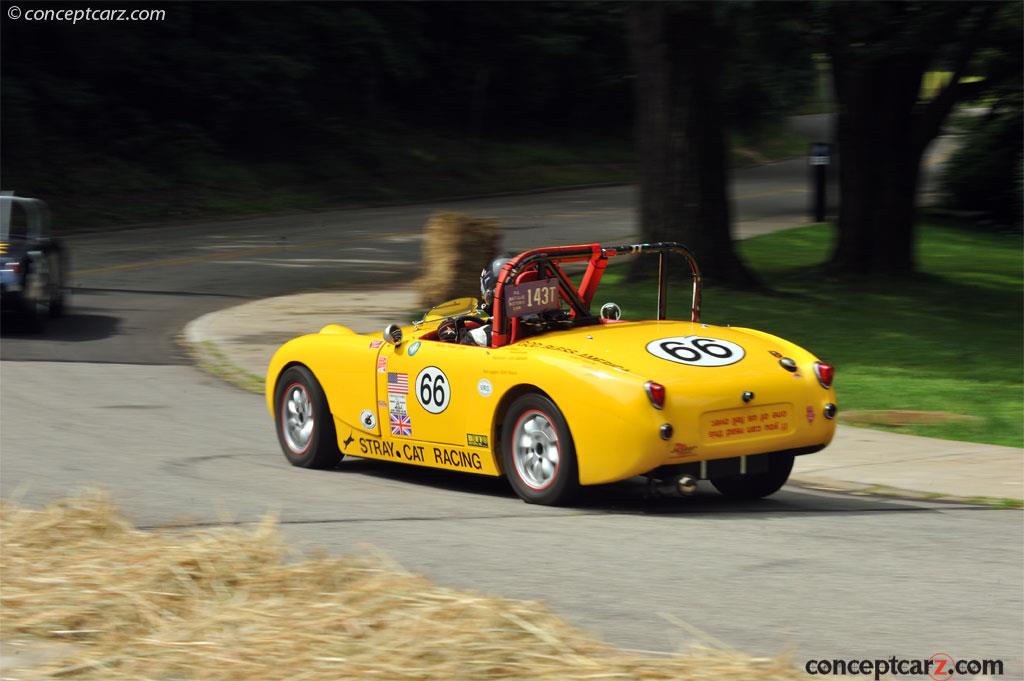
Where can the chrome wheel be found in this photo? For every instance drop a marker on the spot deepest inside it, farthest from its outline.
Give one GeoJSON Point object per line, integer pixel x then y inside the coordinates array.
{"type": "Point", "coordinates": [304, 424]}
{"type": "Point", "coordinates": [297, 418]}
{"type": "Point", "coordinates": [536, 449]}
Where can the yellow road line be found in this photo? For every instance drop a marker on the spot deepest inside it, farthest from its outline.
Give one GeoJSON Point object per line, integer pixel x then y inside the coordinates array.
{"type": "Point", "coordinates": [774, 192]}
{"type": "Point", "coordinates": [234, 255]}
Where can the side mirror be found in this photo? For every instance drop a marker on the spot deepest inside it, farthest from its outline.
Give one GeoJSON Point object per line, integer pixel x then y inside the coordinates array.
{"type": "Point", "coordinates": [611, 311]}
{"type": "Point", "coordinates": [393, 334]}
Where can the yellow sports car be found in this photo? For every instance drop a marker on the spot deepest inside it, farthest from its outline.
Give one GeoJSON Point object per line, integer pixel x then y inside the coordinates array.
{"type": "Point", "coordinates": [528, 383]}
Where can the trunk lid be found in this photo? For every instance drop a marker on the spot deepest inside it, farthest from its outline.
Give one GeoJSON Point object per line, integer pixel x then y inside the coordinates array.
{"type": "Point", "coordinates": [726, 390]}
{"type": "Point", "coordinates": [676, 353]}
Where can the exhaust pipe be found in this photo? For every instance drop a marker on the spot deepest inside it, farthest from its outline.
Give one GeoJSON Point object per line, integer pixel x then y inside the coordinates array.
{"type": "Point", "coordinates": [686, 485]}
{"type": "Point", "coordinates": [679, 486]}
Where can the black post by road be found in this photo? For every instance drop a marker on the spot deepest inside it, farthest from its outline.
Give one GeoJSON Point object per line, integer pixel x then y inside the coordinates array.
{"type": "Point", "coordinates": [820, 158]}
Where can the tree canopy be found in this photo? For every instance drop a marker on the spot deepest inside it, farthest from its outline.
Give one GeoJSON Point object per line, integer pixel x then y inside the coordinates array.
{"type": "Point", "coordinates": [145, 107]}
{"type": "Point", "coordinates": [880, 53]}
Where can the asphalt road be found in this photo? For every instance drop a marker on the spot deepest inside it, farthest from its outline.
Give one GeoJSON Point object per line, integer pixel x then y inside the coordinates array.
{"type": "Point", "coordinates": [825, 575]}
{"type": "Point", "coordinates": [106, 398]}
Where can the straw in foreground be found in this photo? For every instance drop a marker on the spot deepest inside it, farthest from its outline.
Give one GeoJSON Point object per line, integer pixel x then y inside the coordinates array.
{"type": "Point", "coordinates": [231, 603]}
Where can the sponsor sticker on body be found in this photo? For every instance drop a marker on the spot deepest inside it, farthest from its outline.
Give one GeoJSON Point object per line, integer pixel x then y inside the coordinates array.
{"type": "Point", "coordinates": [484, 387]}
{"type": "Point", "coordinates": [398, 383]}
{"type": "Point", "coordinates": [397, 404]}
{"type": "Point", "coordinates": [401, 424]}
{"type": "Point", "coordinates": [681, 450]}
{"type": "Point", "coordinates": [398, 415]}
{"type": "Point", "coordinates": [368, 419]}
{"type": "Point", "coordinates": [398, 412]}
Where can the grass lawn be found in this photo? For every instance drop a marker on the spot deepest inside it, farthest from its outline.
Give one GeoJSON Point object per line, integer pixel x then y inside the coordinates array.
{"type": "Point", "coordinates": [948, 339]}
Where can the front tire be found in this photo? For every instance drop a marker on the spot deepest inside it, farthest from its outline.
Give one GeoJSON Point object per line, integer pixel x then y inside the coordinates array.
{"type": "Point", "coordinates": [305, 427]}
{"type": "Point", "coordinates": [757, 485]}
{"type": "Point", "coordinates": [538, 453]}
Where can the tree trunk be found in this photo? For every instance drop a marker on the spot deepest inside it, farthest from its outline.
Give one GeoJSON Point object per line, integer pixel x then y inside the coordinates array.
{"type": "Point", "coordinates": [879, 168]}
{"type": "Point", "coordinates": [681, 142]}
{"type": "Point", "coordinates": [880, 52]}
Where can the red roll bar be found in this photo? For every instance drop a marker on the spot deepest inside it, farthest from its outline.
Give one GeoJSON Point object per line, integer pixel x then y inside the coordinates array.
{"type": "Point", "coordinates": [547, 261]}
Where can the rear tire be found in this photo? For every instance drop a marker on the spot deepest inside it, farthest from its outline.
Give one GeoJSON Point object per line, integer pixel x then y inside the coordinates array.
{"type": "Point", "coordinates": [35, 300]}
{"type": "Point", "coordinates": [56, 266]}
{"type": "Point", "coordinates": [305, 427]}
{"type": "Point", "coordinates": [758, 485]}
{"type": "Point", "coordinates": [538, 453]}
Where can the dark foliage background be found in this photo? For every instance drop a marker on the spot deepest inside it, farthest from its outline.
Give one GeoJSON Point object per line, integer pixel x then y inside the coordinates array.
{"type": "Point", "coordinates": [221, 95]}
{"type": "Point", "coordinates": [313, 103]}
{"type": "Point", "coordinates": [986, 174]}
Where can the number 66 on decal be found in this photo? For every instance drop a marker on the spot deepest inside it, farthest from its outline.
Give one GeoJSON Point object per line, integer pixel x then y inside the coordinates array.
{"type": "Point", "coordinates": [432, 390]}
{"type": "Point", "coordinates": [561, 396]}
{"type": "Point", "coordinates": [698, 351]}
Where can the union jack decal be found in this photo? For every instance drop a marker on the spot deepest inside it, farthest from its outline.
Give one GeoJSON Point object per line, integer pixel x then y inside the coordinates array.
{"type": "Point", "coordinates": [401, 424]}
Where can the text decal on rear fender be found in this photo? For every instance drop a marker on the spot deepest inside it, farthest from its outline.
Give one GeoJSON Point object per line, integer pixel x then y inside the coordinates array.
{"type": "Point", "coordinates": [699, 351]}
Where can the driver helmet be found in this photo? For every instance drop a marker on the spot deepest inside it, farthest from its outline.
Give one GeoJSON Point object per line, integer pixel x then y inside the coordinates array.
{"type": "Point", "coordinates": [489, 280]}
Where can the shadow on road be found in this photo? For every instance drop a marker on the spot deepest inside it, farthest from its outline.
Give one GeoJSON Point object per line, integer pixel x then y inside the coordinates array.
{"type": "Point", "coordinates": [74, 326]}
{"type": "Point", "coordinates": [634, 497]}
{"type": "Point", "coordinates": [112, 326]}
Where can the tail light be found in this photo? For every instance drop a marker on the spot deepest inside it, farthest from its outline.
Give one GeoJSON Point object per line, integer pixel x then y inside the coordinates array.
{"type": "Point", "coordinates": [656, 394]}
{"type": "Point", "coordinates": [825, 373]}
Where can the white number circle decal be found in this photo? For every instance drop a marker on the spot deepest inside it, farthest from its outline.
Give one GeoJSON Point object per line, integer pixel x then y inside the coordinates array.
{"type": "Point", "coordinates": [696, 351]}
{"type": "Point", "coordinates": [432, 390]}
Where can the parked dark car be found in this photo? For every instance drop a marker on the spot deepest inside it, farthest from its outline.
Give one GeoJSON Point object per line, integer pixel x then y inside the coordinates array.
{"type": "Point", "coordinates": [32, 263]}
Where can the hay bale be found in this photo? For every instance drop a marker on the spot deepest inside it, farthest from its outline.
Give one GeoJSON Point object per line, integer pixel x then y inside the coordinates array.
{"type": "Point", "coordinates": [455, 248]}
{"type": "Point", "coordinates": [103, 600]}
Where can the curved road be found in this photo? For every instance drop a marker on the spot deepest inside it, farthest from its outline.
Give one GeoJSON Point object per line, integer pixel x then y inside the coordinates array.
{"type": "Point", "coordinates": [107, 398]}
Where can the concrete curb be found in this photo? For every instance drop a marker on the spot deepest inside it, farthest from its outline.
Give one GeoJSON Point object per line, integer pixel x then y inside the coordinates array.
{"type": "Point", "coordinates": [233, 345]}
{"type": "Point", "coordinates": [823, 484]}
{"type": "Point", "coordinates": [208, 356]}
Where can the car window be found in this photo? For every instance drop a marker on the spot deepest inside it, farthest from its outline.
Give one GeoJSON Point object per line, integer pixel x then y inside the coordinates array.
{"type": "Point", "coordinates": [18, 226]}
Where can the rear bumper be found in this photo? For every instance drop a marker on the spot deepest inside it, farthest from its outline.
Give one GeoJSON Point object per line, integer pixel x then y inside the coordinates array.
{"type": "Point", "coordinates": [610, 449]}
{"type": "Point", "coordinates": [11, 298]}
{"type": "Point", "coordinates": [723, 468]}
